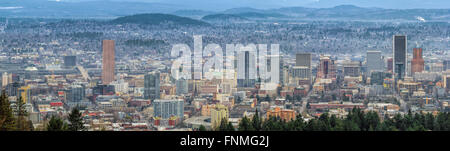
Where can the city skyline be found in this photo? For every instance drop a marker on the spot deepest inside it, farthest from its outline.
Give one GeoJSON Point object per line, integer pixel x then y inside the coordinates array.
{"type": "Point", "coordinates": [340, 68]}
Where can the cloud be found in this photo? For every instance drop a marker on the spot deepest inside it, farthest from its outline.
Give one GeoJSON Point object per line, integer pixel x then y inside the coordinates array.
{"type": "Point", "coordinates": [8, 8]}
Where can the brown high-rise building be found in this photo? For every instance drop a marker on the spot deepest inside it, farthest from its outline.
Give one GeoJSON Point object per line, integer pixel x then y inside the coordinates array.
{"type": "Point", "coordinates": [417, 63]}
{"type": "Point", "coordinates": [326, 69]}
{"type": "Point", "coordinates": [108, 61]}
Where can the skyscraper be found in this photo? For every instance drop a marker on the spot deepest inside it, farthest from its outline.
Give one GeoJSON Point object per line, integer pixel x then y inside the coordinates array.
{"type": "Point", "coordinates": [167, 108]}
{"type": "Point", "coordinates": [302, 70]}
{"type": "Point", "coordinates": [300, 74]}
{"type": "Point", "coordinates": [417, 63]}
{"type": "Point", "coordinates": [108, 61]}
{"type": "Point", "coordinates": [374, 62]}
{"type": "Point", "coordinates": [303, 59]}
{"type": "Point", "coordinates": [75, 93]}
{"type": "Point", "coordinates": [326, 69]}
{"type": "Point", "coordinates": [181, 86]}
{"type": "Point", "coordinates": [399, 52]}
{"type": "Point", "coordinates": [246, 75]}
{"type": "Point", "coordinates": [351, 68]}
{"type": "Point", "coordinates": [151, 86]}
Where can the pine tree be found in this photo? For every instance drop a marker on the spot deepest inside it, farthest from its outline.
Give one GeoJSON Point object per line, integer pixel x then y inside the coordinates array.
{"type": "Point", "coordinates": [56, 124]}
{"type": "Point", "coordinates": [76, 121]}
{"type": "Point", "coordinates": [245, 125]}
{"type": "Point", "coordinates": [7, 122]}
{"type": "Point", "coordinates": [202, 128]}
{"type": "Point", "coordinates": [22, 123]}
{"type": "Point", "coordinates": [225, 125]}
{"type": "Point", "coordinates": [256, 121]}
{"type": "Point", "coordinates": [230, 127]}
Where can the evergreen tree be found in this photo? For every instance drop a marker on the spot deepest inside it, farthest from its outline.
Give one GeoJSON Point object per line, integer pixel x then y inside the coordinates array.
{"type": "Point", "coordinates": [225, 125]}
{"type": "Point", "coordinates": [7, 122]}
{"type": "Point", "coordinates": [76, 121]}
{"type": "Point", "coordinates": [256, 121]}
{"type": "Point", "coordinates": [230, 127]}
{"type": "Point", "coordinates": [356, 120]}
{"type": "Point", "coordinates": [56, 124]}
{"type": "Point", "coordinates": [429, 121]}
{"type": "Point", "coordinates": [333, 122]}
{"type": "Point", "coordinates": [298, 123]}
{"type": "Point", "coordinates": [202, 128]}
{"type": "Point", "coordinates": [245, 125]}
{"type": "Point", "coordinates": [272, 124]}
{"type": "Point", "coordinates": [22, 123]}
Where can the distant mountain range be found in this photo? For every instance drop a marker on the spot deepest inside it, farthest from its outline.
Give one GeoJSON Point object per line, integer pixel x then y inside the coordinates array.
{"type": "Point", "coordinates": [224, 18]}
{"type": "Point", "coordinates": [220, 5]}
{"type": "Point", "coordinates": [118, 8]}
{"type": "Point", "coordinates": [157, 19]}
{"type": "Point", "coordinates": [343, 12]}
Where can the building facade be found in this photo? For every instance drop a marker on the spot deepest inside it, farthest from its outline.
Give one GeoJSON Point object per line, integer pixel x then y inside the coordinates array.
{"type": "Point", "coordinates": [218, 113]}
{"type": "Point", "coordinates": [374, 62]}
{"type": "Point", "coordinates": [417, 63]}
{"type": "Point", "coordinates": [246, 76]}
{"type": "Point", "coordinates": [108, 62]}
{"type": "Point", "coordinates": [152, 86]}
{"type": "Point", "coordinates": [168, 108]}
{"type": "Point", "coordinates": [400, 56]}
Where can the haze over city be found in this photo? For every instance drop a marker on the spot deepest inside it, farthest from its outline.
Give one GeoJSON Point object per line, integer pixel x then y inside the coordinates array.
{"type": "Point", "coordinates": [237, 65]}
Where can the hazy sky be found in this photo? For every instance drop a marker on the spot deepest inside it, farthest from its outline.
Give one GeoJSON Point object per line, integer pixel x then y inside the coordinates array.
{"type": "Point", "coordinates": [205, 4]}
{"type": "Point", "coordinates": [308, 3]}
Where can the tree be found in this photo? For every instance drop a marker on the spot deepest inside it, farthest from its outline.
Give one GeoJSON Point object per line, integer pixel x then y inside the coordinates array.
{"type": "Point", "coordinates": [230, 127]}
{"type": "Point", "coordinates": [202, 128]}
{"type": "Point", "coordinates": [356, 120]}
{"type": "Point", "coordinates": [273, 124]}
{"type": "Point", "coordinates": [7, 122]}
{"type": "Point", "coordinates": [22, 123]}
{"type": "Point", "coordinates": [429, 121]}
{"type": "Point", "coordinates": [298, 123]}
{"type": "Point", "coordinates": [56, 124]}
{"type": "Point", "coordinates": [76, 121]}
{"type": "Point", "coordinates": [225, 125]}
{"type": "Point", "coordinates": [256, 121]}
{"type": "Point", "coordinates": [371, 120]}
{"type": "Point", "coordinates": [245, 125]}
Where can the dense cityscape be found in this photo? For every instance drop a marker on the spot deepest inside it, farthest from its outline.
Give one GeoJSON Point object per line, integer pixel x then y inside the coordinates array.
{"type": "Point", "coordinates": [116, 75]}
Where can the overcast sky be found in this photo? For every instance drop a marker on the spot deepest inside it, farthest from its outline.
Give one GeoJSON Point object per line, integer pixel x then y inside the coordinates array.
{"type": "Point", "coordinates": [202, 4]}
